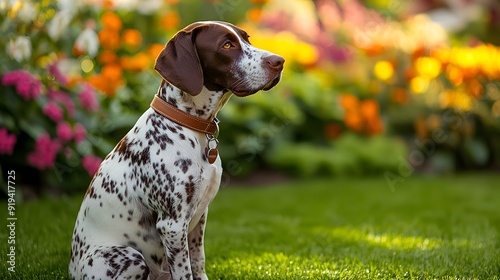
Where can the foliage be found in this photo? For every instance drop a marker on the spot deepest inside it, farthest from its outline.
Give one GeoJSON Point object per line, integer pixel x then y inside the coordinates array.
{"type": "Point", "coordinates": [349, 154]}
{"type": "Point", "coordinates": [352, 228]}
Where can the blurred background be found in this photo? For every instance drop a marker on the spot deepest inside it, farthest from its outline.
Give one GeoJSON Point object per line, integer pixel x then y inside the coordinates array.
{"type": "Point", "coordinates": [378, 88]}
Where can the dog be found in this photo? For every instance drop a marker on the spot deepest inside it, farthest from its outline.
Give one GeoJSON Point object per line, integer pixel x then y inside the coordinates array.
{"type": "Point", "coordinates": [144, 213]}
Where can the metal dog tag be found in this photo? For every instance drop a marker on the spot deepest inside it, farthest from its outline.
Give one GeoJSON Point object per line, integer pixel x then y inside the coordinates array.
{"type": "Point", "coordinates": [211, 154]}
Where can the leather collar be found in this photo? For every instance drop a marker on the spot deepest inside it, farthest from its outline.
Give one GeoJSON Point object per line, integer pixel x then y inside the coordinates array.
{"type": "Point", "coordinates": [209, 127]}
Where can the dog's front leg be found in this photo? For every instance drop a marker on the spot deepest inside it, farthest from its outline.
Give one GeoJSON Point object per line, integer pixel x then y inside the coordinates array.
{"type": "Point", "coordinates": [174, 236]}
{"type": "Point", "coordinates": [196, 250]}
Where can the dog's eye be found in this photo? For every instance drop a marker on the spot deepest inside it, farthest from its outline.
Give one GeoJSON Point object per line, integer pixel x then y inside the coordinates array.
{"type": "Point", "coordinates": [227, 45]}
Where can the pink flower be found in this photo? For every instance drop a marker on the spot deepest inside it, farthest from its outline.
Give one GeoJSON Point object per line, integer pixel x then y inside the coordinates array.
{"type": "Point", "coordinates": [45, 152]}
{"type": "Point", "coordinates": [91, 163]}
{"type": "Point", "coordinates": [11, 78]}
{"type": "Point", "coordinates": [54, 71]}
{"type": "Point", "coordinates": [7, 142]}
{"type": "Point", "coordinates": [36, 86]}
{"type": "Point", "coordinates": [53, 111]}
{"type": "Point", "coordinates": [24, 89]}
{"type": "Point", "coordinates": [26, 84]}
{"type": "Point", "coordinates": [64, 99]}
{"type": "Point", "coordinates": [79, 133]}
{"type": "Point", "coordinates": [88, 98]}
{"type": "Point", "coordinates": [64, 132]}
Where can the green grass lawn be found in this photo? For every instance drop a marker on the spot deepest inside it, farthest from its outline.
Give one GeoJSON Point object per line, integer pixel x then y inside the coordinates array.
{"type": "Point", "coordinates": [352, 228]}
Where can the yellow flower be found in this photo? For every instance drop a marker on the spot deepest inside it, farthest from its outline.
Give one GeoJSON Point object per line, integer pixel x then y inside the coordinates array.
{"type": "Point", "coordinates": [456, 98]}
{"type": "Point", "coordinates": [287, 45]}
{"type": "Point", "coordinates": [428, 67]}
{"type": "Point", "coordinates": [383, 70]}
{"type": "Point", "coordinates": [419, 85]}
{"type": "Point", "coordinates": [306, 54]}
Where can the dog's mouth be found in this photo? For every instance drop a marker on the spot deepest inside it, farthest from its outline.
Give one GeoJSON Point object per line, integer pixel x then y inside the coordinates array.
{"type": "Point", "coordinates": [241, 91]}
{"type": "Point", "coordinates": [272, 83]}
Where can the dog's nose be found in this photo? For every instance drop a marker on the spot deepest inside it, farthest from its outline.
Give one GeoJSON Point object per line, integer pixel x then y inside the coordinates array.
{"type": "Point", "coordinates": [275, 62]}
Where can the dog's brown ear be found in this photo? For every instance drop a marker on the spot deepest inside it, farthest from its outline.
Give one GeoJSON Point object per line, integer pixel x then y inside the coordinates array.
{"type": "Point", "coordinates": [178, 62]}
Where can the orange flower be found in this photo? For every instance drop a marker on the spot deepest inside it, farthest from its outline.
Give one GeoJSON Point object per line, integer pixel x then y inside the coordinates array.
{"type": "Point", "coordinates": [132, 38]}
{"type": "Point", "coordinates": [454, 74]}
{"type": "Point", "coordinates": [470, 72]}
{"type": "Point", "coordinates": [374, 49]}
{"type": "Point", "coordinates": [369, 109]}
{"type": "Point", "coordinates": [136, 63]}
{"type": "Point", "coordinates": [254, 15]}
{"type": "Point", "coordinates": [371, 114]}
{"type": "Point", "coordinates": [475, 88]}
{"type": "Point", "coordinates": [374, 126]}
{"type": "Point", "coordinates": [113, 72]}
{"type": "Point", "coordinates": [109, 80]}
{"type": "Point", "coordinates": [410, 73]}
{"type": "Point", "coordinates": [97, 82]}
{"type": "Point", "coordinates": [170, 20]}
{"type": "Point", "coordinates": [354, 121]}
{"type": "Point", "coordinates": [418, 52]}
{"type": "Point", "coordinates": [154, 50]}
{"type": "Point", "coordinates": [111, 21]}
{"type": "Point", "coordinates": [107, 57]}
{"type": "Point", "coordinates": [110, 39]}
{"type": "Point", "coordinates": [349, 101]}
{"type": "Point", "coordinates": [74, 80]}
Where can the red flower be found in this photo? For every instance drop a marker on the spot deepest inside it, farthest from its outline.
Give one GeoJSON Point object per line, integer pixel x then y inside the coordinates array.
{"type": "Point", "coordinates": [53, 111]}
{"type": "Point", "coordinates": [88, 98]}
{"type": "Point", "coordinates": [45, 152]}
{"type": "Point", "coordinates": [26, 84]}
{"type": "Point", "coordinates": [7, 142]}
{"type": "Point", "coordinates": [64, 131]}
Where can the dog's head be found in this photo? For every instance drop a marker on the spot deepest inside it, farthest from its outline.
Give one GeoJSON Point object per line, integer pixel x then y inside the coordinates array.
{"type": "Point", "coordinates": [219, 56]}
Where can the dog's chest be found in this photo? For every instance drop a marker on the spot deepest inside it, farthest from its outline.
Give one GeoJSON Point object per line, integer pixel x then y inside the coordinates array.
{"type": "Point", "coordinates": [178, 171]}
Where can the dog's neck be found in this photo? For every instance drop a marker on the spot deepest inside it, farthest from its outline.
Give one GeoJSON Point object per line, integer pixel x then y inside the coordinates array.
{"type": "Point", "coordinates": [205, 105]}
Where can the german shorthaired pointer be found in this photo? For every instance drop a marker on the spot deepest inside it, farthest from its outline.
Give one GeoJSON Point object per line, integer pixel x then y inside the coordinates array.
{"type": "Point", "coordinates": [144, 213]}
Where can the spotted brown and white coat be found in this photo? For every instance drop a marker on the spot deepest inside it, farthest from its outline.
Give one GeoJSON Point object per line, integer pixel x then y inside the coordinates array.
{"type": "Point", "coordinates": [144, 213]}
